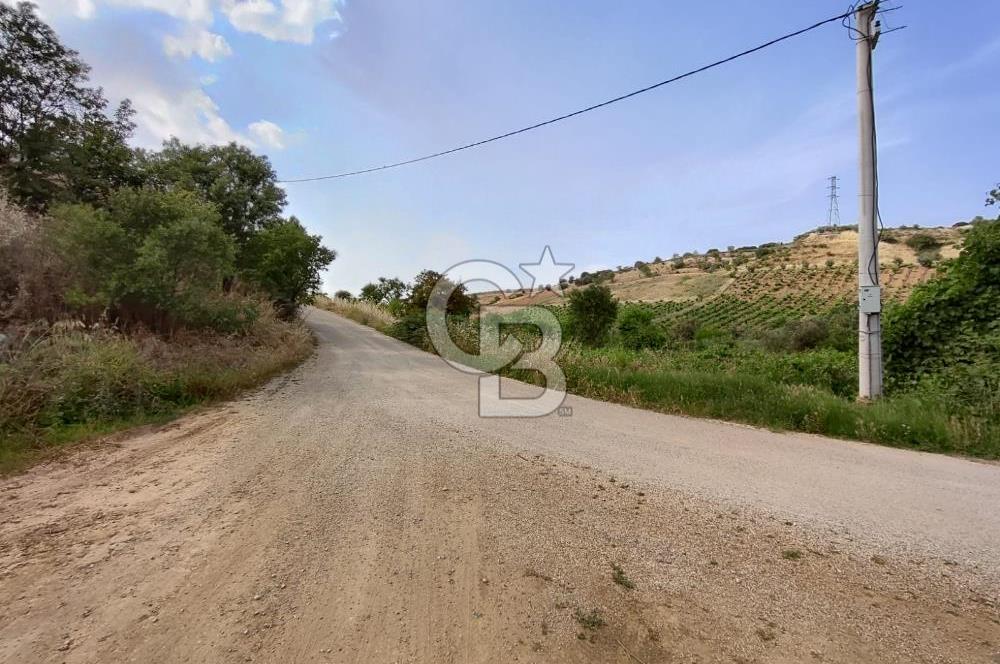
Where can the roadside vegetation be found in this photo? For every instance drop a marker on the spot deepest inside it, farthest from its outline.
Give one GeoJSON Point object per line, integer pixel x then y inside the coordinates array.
{"type": "Point", "coordinates": [133, 284]}
{"type": "Point", "coordinates": [787, 366]}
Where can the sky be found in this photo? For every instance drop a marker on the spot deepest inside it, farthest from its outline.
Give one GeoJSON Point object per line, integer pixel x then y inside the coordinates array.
{"type": "Point", "coordinates": [738, 155]}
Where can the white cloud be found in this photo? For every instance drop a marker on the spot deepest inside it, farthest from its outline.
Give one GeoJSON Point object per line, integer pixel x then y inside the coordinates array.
{"type": "Point", "coordinates": [191, 116]}
{"type": "Point", "coordinates": [268, 134]}
{"type": "Point", "coordinates": [165, 104]}
{"type": "Point", "coordinates": [277, 20]}
{"type": "Point", "coordinates": [294, 20]}
{"type": "Point", "coordinates": [207, 45]}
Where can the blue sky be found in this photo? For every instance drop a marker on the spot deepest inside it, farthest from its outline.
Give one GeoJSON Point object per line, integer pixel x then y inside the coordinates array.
{"type": "Point", "coordinates": [739, 155]}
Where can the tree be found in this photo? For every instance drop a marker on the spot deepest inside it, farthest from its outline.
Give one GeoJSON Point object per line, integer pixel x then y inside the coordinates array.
{"type": "Point", "coordinates": [994, 196]}
{"type": "Point", "coordinates": [459, 304]}
{"type": "Point", "coordinates": [285, 261]}
{"type": "Point", "coordinates": [592, 312]}
{"type": "Point", "coordinates": [953, 318]}
{"type": "Point", "coordinates": [384, 291]}
{"type": "Point", "coordinates": [140, 211]}
{"type": "Point", "coordinates": [241, 184]}
{"type": "Point", "coordinates": [638, 330]}
{"type": "Point", "coordinates": [179, 269]}
{"type": "Point", "coordinates": [344, 295]}
{"type": "Point", "coordinates": [156, 258]}
{"type": "Point", "coordinates": [56, 141]}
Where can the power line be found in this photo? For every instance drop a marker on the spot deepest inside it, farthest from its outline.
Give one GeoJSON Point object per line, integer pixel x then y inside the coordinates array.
{"type": "Point", "coordinates": [687, 74]}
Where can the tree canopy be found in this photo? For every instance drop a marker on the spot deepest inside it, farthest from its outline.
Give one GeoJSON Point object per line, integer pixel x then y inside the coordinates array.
{"type": "Point", "coordinates": [57, 140]}
{"type": "Point", "coordinates": [186, 235]}
{"type": "Point", "coordinates": [241, 184]}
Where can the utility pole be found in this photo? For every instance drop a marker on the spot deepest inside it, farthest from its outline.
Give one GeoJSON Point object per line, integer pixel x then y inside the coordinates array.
{"type": "Point", "coordinates": [833, 213]}
{"type": "Point", "coordinates": [869, 293]}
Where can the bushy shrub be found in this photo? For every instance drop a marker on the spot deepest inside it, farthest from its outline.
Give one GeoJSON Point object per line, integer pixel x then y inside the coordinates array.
{"type": "Point", "coordinates": [592, 314]}
{"type": "Point", "coordinates": [411, 328]}
{"type": "Point", "coordinates": [797, 335]}
{"type": "Point", "coordinates": [921, 242]}
{"type": "Point", "coordinates": [685, 329]}
{"type": "Point", "coordinates": [636, 328]}
{"type": "Point", "coordinates": [927, 257]}
{"type": "Point", "coordinates": [946, 320]}
{"type": "Point", "coordinates": [155, 258]}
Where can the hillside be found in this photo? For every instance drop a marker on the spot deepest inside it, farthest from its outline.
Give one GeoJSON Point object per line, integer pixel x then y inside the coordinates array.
{"type": "Point", "coordinates": [752, 286]}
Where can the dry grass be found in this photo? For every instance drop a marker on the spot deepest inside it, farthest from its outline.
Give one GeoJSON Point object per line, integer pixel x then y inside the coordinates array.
{"type": "Point", "coordinates": [360, 311]}
{"type": "Point", "coordinates": [14, 222]}
{"type": "Point", "coordinates": [829, 253]}
{"type": "Point", "coordinates": [66, 382]}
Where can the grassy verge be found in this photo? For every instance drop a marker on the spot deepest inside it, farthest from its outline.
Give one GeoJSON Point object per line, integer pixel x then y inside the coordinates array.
{"type": "Point", "coordinates": [903, 420]}
{"type": "Point", "coordinates": [809, 391]}
{"type": "Point", "coordinates": [66, 386]}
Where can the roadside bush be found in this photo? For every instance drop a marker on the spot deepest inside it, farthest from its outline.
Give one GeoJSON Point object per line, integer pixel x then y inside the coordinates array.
{"type": "Point", "coordinates": [949, 319]}
{"type": "Point", "coordinates": [411, 328]}
{"type": "Point", "coordinates": [636, 329]}
{"type": "Point", "coordinates": [592, 313]}
{"type": "Point", "coordinates": [156, 259]}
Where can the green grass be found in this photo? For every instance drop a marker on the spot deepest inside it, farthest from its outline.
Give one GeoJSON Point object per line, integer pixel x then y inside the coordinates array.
{"type": "Point", "coordinates": [724, 378]}
{"type": "Point", "coordinates": [904, 420]}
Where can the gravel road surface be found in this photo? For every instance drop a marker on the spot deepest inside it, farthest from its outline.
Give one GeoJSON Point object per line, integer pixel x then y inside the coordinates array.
{"type": "Point", "coordinates": [358, 510]}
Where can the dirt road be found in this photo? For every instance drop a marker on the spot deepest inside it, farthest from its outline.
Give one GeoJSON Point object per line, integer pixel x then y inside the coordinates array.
{"type": "Point", "coordinates": [357, 510]}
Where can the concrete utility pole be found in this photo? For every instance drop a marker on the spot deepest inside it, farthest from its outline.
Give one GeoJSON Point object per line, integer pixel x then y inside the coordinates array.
{"type": "Point", "coordinates": [869, 293]}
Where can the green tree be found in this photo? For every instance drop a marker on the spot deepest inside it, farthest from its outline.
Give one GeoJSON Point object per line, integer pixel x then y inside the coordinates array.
{"type": "Point", "coordinates": [344, 295]}
{"type": "Point", "coordinates": [385, 291]}
{"type": "Point", "coordinates": [459, 304]}
{"type": "Point", "coordinates": [179, 272]}
{"type": "Point", "coordinates": [592, 313]}
{"type": "Point", "coordinates": [637, 329]}
{"type": "Point", "coordinates": [285, 261]}
{"type": "Point", "coordinates": [140, 211]}
{"type": "Point", "coordinates": [241, 184]}
{"type": "Point", "coordinates": [56, 141]}
{"type": "Point", "coordinates": [156, 258]}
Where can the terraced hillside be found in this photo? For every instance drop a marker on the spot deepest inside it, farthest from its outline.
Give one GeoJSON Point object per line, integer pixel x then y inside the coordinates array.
{"type": "Point", "coordinates": [768, 284]}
